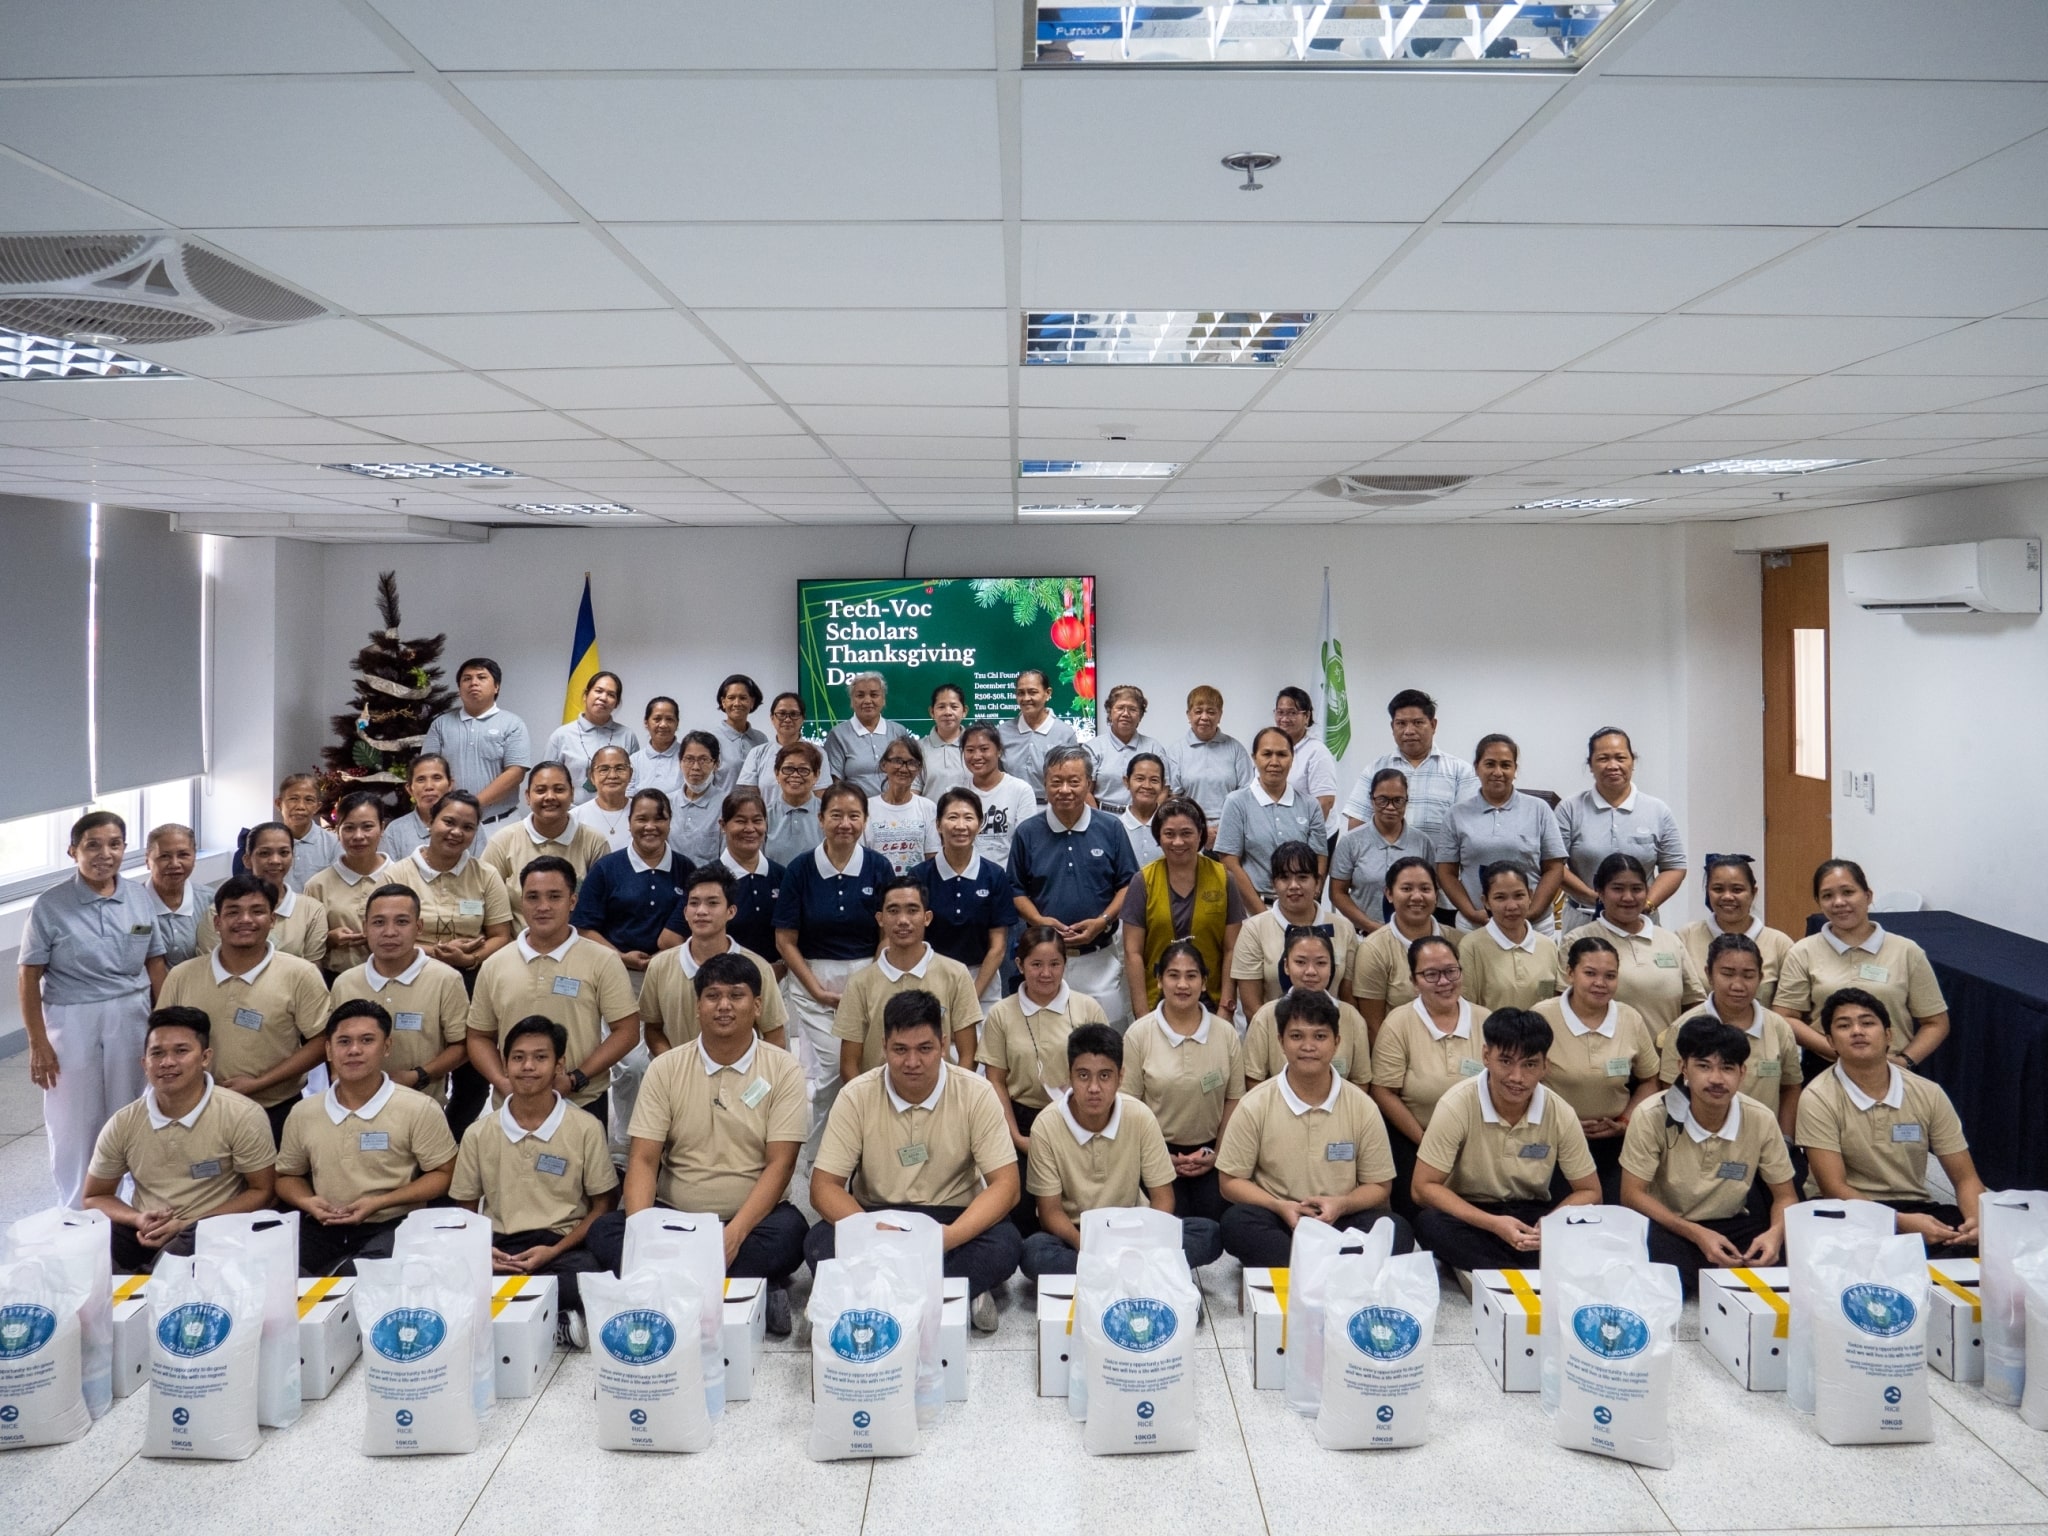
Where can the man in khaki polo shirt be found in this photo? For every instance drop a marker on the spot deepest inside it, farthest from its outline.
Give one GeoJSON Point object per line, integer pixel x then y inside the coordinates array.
{"type": "Point", "coordinates": [542, 1174]}
{"type": "Point", "coordinates": [268, 1009]}
{"type": "Point", "coordinates": [193, 1148]}
{"type": "Point", "coordinates": [716, 1130]}
{"type": "Point", "coordinates": [916, 1134]}
{"type": "Point", "coordinates": [428, 1006]}
{"type": "Point", "coordinates": [553, 971]}
{"type": "Point", "coordinates": [668, 997]}
{"type": "Point", "coordinates": [1305, 1143]}
{"type": "Point", "coordinates": [1484, 1170]}
{"type": "Point", "coordinates": [363, 1154]}
{"type": "Point", "coordinates": [1093, 1148]}
{"type": "Point", "coordinates": [907, 963]}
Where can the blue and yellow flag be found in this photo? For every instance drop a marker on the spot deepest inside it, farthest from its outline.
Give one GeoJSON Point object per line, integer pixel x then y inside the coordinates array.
{"type": "Point", "coordinates": [583, 662]}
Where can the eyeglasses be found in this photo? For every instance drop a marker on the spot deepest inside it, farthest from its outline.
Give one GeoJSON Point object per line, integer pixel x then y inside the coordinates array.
{"type": "Point", "coordinates": [1288, 713]}
{"type": "Point", "coordinates": [796, 771]}
{"type": "Point", "coordinates": [785, 714]}
{"type": "Point", "coordinates": [1437, 978]}
{"type": "Point", "coordinates": [1390, 802]}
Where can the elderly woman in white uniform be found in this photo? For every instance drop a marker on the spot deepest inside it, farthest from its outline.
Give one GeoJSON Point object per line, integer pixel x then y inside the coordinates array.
{"type": "Point", "coordinates": [170, 855]}
{"type": "Point", "coordinates": [854, 747]}
{"type": "Point", "coordinates": [1616, 817]}
{"type": "Point", "coordinates": [577, 742]}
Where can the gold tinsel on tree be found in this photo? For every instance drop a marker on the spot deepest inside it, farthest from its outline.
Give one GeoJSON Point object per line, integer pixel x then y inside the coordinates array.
{"type": "Point", "coordinates": [398, 692]}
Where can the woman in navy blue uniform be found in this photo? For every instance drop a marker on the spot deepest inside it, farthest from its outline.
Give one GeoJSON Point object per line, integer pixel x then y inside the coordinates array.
{"type": "Point", "coordinates": [970, 897]}
{"type": "Point", "coordinates": [756, 878]}
{"type": "Point", "coordinates": [626, 898]}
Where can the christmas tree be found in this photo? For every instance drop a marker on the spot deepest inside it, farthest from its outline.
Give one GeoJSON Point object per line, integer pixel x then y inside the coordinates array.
{"type": "Point", "coordinates": [398, 692]}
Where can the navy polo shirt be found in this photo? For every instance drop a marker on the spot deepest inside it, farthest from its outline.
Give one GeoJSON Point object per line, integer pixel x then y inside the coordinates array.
{"type": "Point", "coordinates": [629, 905]}
{"type": "Point", "coordinates": [1071, 875]}
{"type": "Point", "coordinates": [965, 907]}
{"type": "Point", "coordinates": [752, 925]}
{"type": "Point", "coordinates": [834, 917]}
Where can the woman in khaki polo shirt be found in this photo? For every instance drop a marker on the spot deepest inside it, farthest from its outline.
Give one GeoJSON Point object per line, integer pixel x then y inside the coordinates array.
{"type": "Point", "coordinates": [1603, 1061]}
{"type": "Point", "coordinates": [343, 887]}
{"type": "Point", "coordinates": [299, 921]}
{"type": "Point", "coordinates": [1185, 1064]}
{"type": "Point", "coordinates": [1508, 964]}
{"type": "Point", "coordinates": [1426, 1045]}
{"type": "Point", "coordinates": [1853, 951]}
{"type": "Point", "coordinates": [1731, 898]}
{"type": "Point", "coordinates": [1656, 977]}
{"type": "Point", "coordinates": [1380, 981]}
{"type": "Point", "coordinates": [1307, 963]}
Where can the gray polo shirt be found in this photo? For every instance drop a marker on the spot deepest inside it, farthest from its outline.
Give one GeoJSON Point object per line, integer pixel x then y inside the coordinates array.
{"type": "Point", "coordinates": [1024, 749]}
{"type": "Point", "coordinates": [578, 742]}
{"type": "Point", "coordinates": [1254, 824]}
{"type": "Point", "coordinates": [179, 927]}
{"type": "Point", "coordinates": [1641, 825]}
{"type": "Point", "coordinates": [1361, 861]}
{"type": "Point", "coordinates": [854, 755]}
{"type": "Point", "coordinates": [1113, 761]}
{"type": "Point", "coordinates": [311, 854]}
{"type": "Point", "coordinates": [1476, 834]}
{"type": "Point", "coordinates": [734, 747]}
{"type": "Point", "coordinates": [943, 767]}
{"type": "Point", "coordinates": [793, 831]}
{"type": "Point", "coordinates": [404, 837]}
{"type": "Point", "coordinates": [93, 948]}
{"type": "Point", "coordinates": [478, 749]}
{"type": "Point", "coordinates": [1144, 846]}
{"type": "Point", "coordinates": [1435, 784]}
{"type": "Point", "coordinates": [693, 829]}
{"type": "Point", "coordinates": [1207, 771]}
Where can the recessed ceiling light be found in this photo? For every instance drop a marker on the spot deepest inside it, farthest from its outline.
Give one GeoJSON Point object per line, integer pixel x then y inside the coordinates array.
{"type": "Point", "coordinates": [461, 470]}
{"type": "Point", "coordinates": [1765, 466]}
{"type": "Point", "coordinates": [1094, 469]}
{"type": "Point", "coordinates": [1079, 509]}
{"type": "Point", "coordinates": [571, 509]}
{"type": "Point", "coordinates": [1240, 338]}
{"type": "Point", "coordinates": [1581, 503]}
{"type": "Point", "coordinates": [24, 355]}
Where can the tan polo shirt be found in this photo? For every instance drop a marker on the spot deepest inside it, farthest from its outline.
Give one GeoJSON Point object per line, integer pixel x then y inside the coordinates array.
{"type": "Point", "coordinates": [1503, 975]}
{"type": "Point", "coordinates": [457, 905]}
{"type": "Point", "coordinates": [1419, 1064]}
{"type": "Point", "coordinates": [300, 931]}
{"type": "Point", "coordinates": [1262, 945]}
{"type": "Point", "coordinates": [347, 1154]}
{"type": "Point", "coordinates": [1699, 937]}
{"type": "Point", "coordinates": [1294, 1150]}
{"type": "Point", "coordinates": [1897, 975]}
{"type": "Point", "coordinates": [259, 1018]}
{"type": "Point", "coordinates": [534, 1181]}
{"type": "Point", "coordinates": [1702, 1177]}
{"type": "Point", "coordinates": [191, 1166]}
{"type": "Point", "coordinates": [514, 846]}
{"type": "Point", "coordinates": [869, 989]}
{"type": "Point", "coordinates": [346, 894]}
{"type": "Point", "coordinates": [715, 1123]}
{"type": "Point", "coordinates": [580, 985]}
{"type": "Point", "coordinates": [1030, 1043]}
{"type": "Point", "coordinates": [1658, 977]}
{"type": "Point", "coordinates": [1185, 1080]}
{"type": "Point", "coordinates": [1263, 1057]}
{"type": "Point", "coordinates": [668, 994]}
{"type": "Point", "coordinates": [429, 1012]}
{"type": "Point", "coordinates": [1379, 966]}
{"type": "Point", "coordinates": [1774, 1057]}
{"type": "Point", "coordinates": [1883, 1142]}
{"type": "Point", "coordinates": [1483, 1158]}
{"type": "Point", "coordinates": [939, 1152]}
{"type": "Point", "coordinates": [1094, 1170]}
{"type": "Point", "coordinates": [1592, 1069]}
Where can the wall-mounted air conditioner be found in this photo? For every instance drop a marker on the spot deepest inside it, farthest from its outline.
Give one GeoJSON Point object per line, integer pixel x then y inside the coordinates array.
{"type": "Point", "coordinates": [1990, 576]}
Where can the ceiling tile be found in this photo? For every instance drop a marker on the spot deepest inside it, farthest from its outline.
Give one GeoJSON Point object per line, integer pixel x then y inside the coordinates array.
{"type": "Point", "coordinates": [1277, 426]}
{"type": "Point", "coordinates": [1388, 390]}
{"type": "Point", "coordinates": [859, 336]}
{"type": "Point", "coordinates": [146, 399]}
{"type": "Point", "coordinates": [310, 431]}
{"type": "Point", "coordinates": [1968, 273]}
{"type": "Point", "coordinates": [968, 420]}
{"type": "Point", "coordinates": [1755, 344]}
{"type": "Point", "coordinates": [2008, 190]}
{"type": "Point", "coordinates": [1837, 39]}
{"type": "Point", "coordinates": [320, 346]}
{"type": "Point", "coordinates": [1211, 266]}
{"type": "Point", "coordinates": [1990, 346]}
{"type": "Point", "coordinates": [822, 384]}
{"type": "Point", "coordinates": [388, 394]}
{"type": "Point", "coordinates": [500, 427]}
{"type": "Point", "coordinates": [576, 389]}
{"type": "Point", "coordinates": [224, 37]}
{"type": "Point", "coordinates": [1875, 392]}
{"type": "Point", "coordinates": [33, 200]}
{"type": "Point", "coordinates": [605, 338]}
{"type": "Point", "coordinates": [686, 449]}
{"type": "Point", "coordinates": [845, 266]}
{"type": "Point", "coordinates": [1114, 387]}
{"type": "Point", "coordinates": [934, 449]}
{"type": "Point", "coordinates": [1465, 339]}
{"type": "Point", "coordinates": [1601, 393]}
{"type": "Point", "coordinates": [691, 421]}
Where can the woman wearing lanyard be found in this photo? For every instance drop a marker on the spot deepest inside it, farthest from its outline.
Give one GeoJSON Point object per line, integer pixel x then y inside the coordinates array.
{"type": "Point", "coordinates": [170, 856]}
{"type": "Point", "coordinates": [903, 826]}
{"type": "Point", "coordinates": [944, 768]}
{"type": "Point", "coordinates": [546, 828]}
{"type": "Point", "coordinates": [1023, 1042]}
{"type": "Point", "coordinates": [693, 830]}
{"type": "Point", "coordinates": [1603, 1057]}
{"type": "Point", "coordinates": [1006, 800]}
{"type": "Point", "coordinates": [625, 900]}
{"type": "Point", "coordinates": [1307, 963]}
{"type": "Point", "coordinates": [655, 765]}
{"type": "Point", "coordinates": [738, 697]}
{"type": "Point", "coordinates": [1380, 976]}
{"type": "Point", "coordinates": [1498, 826]}
{"type": "Point", "coordinates": [825, 930]}
{"type": "Point", "coordinates": [574, 744]}
{"type": "Point", "coordinates": [1616, 817]}
{"type": "Point", "coordinates": [786, 714]}
{"type": "Point", "coordinates": [1358, 869]}
{"type": "Point", "coordinates": [970, 896]}
{"type": "Point", "coordinates": [1773, 1072]}
{"type": "Point", "coordinates": [1182, 898]}
{"type": "Point", "coordinates": [1508, 964]}
{"type": "Point", "coordinates": [426, 781]}
{"type": "Point", "coordinates": [1207, 765]}
{"type": "Point", "coordinates": [756, 878]}
{"type": "Point", "coordinates": [608, 813]}
{"type": "Point", "coordinates": [794, 807]}
{"type": "Point", "coordinates": [1731, 898]}
{"type": "Point", "coordinates": [343, 887]}
{"type": "Point", "coordinates": [1185, 1064]}
{"type": "Point", "coordinates": [1263, 815]}
{"type": "Point", "coordinates": [1427, 1045]}
{"type": "Point", "coordinates": [1658, 978]}
{"type": "Point", "coordinates": [298, 921]}
{"type": "Point", "coordinates": [313, 845]}
{"type": "Point", "coordinates": [91, 963]}
{"type": "Point", "coordinates": [1853, 951]}
{"type": "Point", "coordinates": [1255, 967]}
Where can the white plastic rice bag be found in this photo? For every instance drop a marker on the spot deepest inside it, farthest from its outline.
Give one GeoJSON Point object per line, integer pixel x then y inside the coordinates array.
{"type": "Point", "coordinates": [650, 1382]}
{"type": "Point", "coordinates": [464, 1238]}
{"type": "Point", "coordinates": [2031, 1270]}
{"type": "Point", "coordinates": [1805, 1224]}
{"type": "Point", "coordinates": [1379, 1331]}
{"type": "Point", "coordinates": [418, 1316]}
{"type": "Point", "coordinates": [1103, 1231]}
{"type": "Point", "coordinates": [1316, 1245]}
{"type": "Point", "coordinates": [865, 1315]}
{"type": "Point", "coordinates": [1136, 1308]}
{"type": "Point", "coordinates": [266, 1243]}
{"type": "Point", "coordinates": [923, 1242]}
{"type": "Point", "coordinates": [205, 1343]}
{"type": "Point", "coordinates": [1578, 1239]}
{"type": "Point", "coordinates": [1869, 1337]}
{"type": "Point", "coordinates": [689, 1243]}
{"type": "Point", "coordinates": [2011, 1224]}
{"type": "Point", "coordinates": [1620, 1320]}
{"type": "Point", "coordinates": [42, 1396]}
{"type": "Point", "coordinates": [79, 1239]}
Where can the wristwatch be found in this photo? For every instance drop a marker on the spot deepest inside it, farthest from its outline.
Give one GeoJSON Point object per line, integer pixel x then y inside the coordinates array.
{"type": "Point", "coordinates": [420, 1078]}
{"type": "Point", "coordinates": [578, 1080]}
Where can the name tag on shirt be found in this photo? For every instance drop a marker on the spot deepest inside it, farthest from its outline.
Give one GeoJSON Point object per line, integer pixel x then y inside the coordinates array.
{"type": "Point", "coordinates": [1664, 962]}
{"type": "Point", "coordinates": [1211, 1081]}
{"type": "Point", "coordinates": [1617, 1066]}
{"type": "Point", "coordinates": [754, 1093]}
{"type": "Point", "coordinates": [469, 909]}
{"type": "Point", "coordinates": [1769, 1068]}
{"type": "Point", "coordinates": [1533, 1151]}
{"type": "Point", "coordinates": [374, 1141]}
{"type": "Point", "coordinates": [912, 1155]}
{"type": "Point", "coordinates": [414, 1021]}
{"type": "Point", "coordinates": [1877, 973]}
{"type": "Point", "coordinates": [567, 986]}
{"type": "Point", "coordinates": [1906, 1133]}
{"type": "Point", "coordinates": [547, 1162]}
{"type": "Point", "coordinates": [1340, 1152]}
{"type": "Point", "coordinates": [248, 1018]}
{"type": "Point", "coordinates": [1732, 1171]}
{"type": "Point", "coordinates": [210, 1169]}
{"type": "Point", "coordinates": [1467, 1067]}
{"type": "Point", "coordinates": [141, 928]}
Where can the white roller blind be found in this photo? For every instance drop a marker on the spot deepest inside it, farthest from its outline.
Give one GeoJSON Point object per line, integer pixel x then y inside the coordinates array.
{"type": "Point", "coordinates": [149, 654]}
{"type": "Point", "coordinates": [45, 560]}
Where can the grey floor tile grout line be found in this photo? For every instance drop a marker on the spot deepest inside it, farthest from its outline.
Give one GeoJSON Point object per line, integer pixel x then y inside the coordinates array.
{"type": "Point", "coordinates": [98, 1489]}
{"type": "Point", "coordinates": [532, 1401]}
{"type": "Point", "coordinates": [2031, 1482]}
{"type": "Point", "coordinates": [1243, 1439]}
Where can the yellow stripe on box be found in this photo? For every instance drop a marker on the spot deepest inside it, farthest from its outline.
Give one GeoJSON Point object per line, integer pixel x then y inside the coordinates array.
{"type": "Point", "coordinates": [129, 1287]}
{"type": "Point", "coordinates": [1280, 1295]}
{"type": "Point", "coordinates": [1526, 1295]}
{"type": "Point", "coordinates": [506, 1292]}
{"type": "Point", "coordinates": [1960, 1292]}
{"type": "Point", "coordinates": [1770, 1298]}
{"type": "Point", "coordinates": [315, 1294]}
{"type": "Point", "coordinates": [1070, 1317]}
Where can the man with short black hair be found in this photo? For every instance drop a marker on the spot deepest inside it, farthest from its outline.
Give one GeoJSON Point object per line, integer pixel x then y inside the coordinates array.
{"type": "Point", "coordinates": [1436, 780]}
{"type": "Point", "coordinates": [668, 997]}
{"type": "Point", "coordinates": [907, 962]}
{"type": "Point", "coordinates": [429, 1008]}
{"type": "Point", "coordinates": [1071, 865]}
{"type": "Point", "coordinates": [487, 748]}
{"type": "Point", "coordinates": [1034, 732]}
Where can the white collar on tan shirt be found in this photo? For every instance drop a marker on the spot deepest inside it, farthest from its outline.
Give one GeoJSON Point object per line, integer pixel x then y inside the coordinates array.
{"type": "Point", "coordinates": [712, 1068]}
{"type": "Point", "coordinates": [378, 981]}
{"type": "Point", "coordinates": [1572, 1022]}
{"type": "Point", "coordinates": [350, 877]}
{"type": "Point", "coordinates": [545, 1131]}
{"type": "Point", "coordinates": [923, 964]}
{"type": "Point", "coordinates": [1532, 1116]}
{"type": "Point", "coordinates": [221, 973]}
{"type": "Point", "coordinates": [1679, 1108]}
{"type": "Point", "coordinates": [1527, 946]}
{"type": "Point", "coordinates": [1894, 1094]}
{"type": "Point", "coordinates": [158, 1119]}
{"type": "Point", "coordinates": [1462, 1030]}
{"type": "Point", "coordinates": [429, 873]}
{"type": "Point", "coordinates": [689, 962]}
{"type": "Point", "coordinates": [1870, 946]}
{"type": "Point", "coordinates": [1755, 1026]}
{"type": "Point", "coordinates": [529, 954]}
{"type": "Point", "coordinates": [1175, 1037]}
{"type": "Point", "coordinates": [337, 1112]}
{"type": "Point", "coordinates": [1059, 1003]}
{"type": "Point", "coordinates": [902, 1104]}
{"type": "Point", "coordinates": [1301, 1106]}
{"type": "Point", "coordinates": [1083, 1136]}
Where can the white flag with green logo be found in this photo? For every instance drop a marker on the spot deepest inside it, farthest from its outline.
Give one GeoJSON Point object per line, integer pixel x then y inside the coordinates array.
{"type": "Point", "coordinates": [1336, 701]}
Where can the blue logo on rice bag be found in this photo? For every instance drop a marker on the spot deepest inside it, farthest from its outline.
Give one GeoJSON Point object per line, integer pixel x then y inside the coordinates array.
{"type": "Point", "coordinates": [1384, 1333]}
{"type": "Point", "coordinates": [408, 1333]}
{"type": "Point", "coordinates": [1139, 1324]}
{"type": "Point", "coordinates": [1878, 1309]}
{"type": "Point", "coordinates": [1612, 1332]}
{"type": "Point", "coordinates": [196, 1328]}
{"type": "Point", "coordinates": [863, 1334]}
{"type": "Point", "coordinates": [639, 1337]}
{"type": "Point", "coordinates": [24, 1329]}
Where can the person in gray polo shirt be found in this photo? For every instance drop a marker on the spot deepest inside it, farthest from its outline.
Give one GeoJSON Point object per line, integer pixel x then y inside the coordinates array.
{"type": "Point", "coordinates": [487, 748]}
{"type": "Point", "coordinates": [854, 748]}
{"type": "Point", "coordinates": [1035, 732]}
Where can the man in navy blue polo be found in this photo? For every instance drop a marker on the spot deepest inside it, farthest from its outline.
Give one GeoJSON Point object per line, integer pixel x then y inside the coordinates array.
{"type": "Point", "coordinates": [1071, 865]}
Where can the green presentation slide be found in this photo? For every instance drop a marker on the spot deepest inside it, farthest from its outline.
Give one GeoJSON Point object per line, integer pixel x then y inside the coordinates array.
{"type": "Point", "coordinates": [975, 633]}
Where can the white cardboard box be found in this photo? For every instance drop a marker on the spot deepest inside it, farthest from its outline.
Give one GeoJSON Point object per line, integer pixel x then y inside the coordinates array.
{"type": "Point", "coordinates": [1265, 1291]}
{"type": "Point", "coordinates": [329, 1338]}
{"type": "Point", "coordinates": [1055, 1333]}
{"type": "Point", "coordinates": [1507, 1319]}
{"type": "Point", "coordinates": [131, 1333]}
{"type": "Point", "coordinates": [1955, 1325]}
{"type": "Point", "coordinates": [1745, 1330]}
{"type": "Point", "coordinates": [953, 1339]}
{"type": "Point", "coordinates": [746, 1326]}
{"type": "Point", "coordinates": [522, 1331]}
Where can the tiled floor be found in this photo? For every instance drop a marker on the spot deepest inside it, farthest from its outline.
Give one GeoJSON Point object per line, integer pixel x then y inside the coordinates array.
{"type": "Point", "coordinates": [1008, 1460]}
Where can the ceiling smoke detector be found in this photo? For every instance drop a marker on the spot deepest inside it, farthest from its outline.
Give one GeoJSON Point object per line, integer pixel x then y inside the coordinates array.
{"type": "Point", "coordinates": [1390, 490]}
{"type": "Point", "coordinates": [138, 290]}
{"type": "Point", "coordinates": [1251, 162]}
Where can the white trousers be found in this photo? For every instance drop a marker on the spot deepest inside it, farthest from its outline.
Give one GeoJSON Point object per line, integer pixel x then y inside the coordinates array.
{"type": "Point", "coordinates": [817, 1047]}
{"type": "Point", "coordinates": [1101, 976]}
{"type": "Point", "coordinates": [99, 1069]}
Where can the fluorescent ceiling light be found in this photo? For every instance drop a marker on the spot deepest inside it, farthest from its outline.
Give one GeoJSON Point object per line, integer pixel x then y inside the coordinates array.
{"type": "Point", "coordinates": [1257, 338]}
{"type": "Point", "coordinates": [571, 509]}
{"type": "Point", "coordinates": [1581, 503]}
{"type": "Point", "coordinates": [24, 355]}
{"type": "Point", "coordinates": [462, 470]}
{"type": "Point", "coordinates": [1765, 466]}
{"type": "Point", "coordinates": [1080, 509]}
{"type": "Point", "coordinates": [1094, 469]}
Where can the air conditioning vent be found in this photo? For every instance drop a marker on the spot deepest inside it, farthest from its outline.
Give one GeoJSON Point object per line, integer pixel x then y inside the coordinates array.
{"type": "Point", "coordinates": [143, 289]}
{"type": "Point", "coordinates": [1390, 490]}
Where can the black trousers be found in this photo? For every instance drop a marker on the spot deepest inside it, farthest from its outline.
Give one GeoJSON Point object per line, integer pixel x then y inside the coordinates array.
{"type": "Point", "coordinates": [1201, 1243]}
{"type": "Point", "coordinates": [1201, 1196]}
{"type": "Point", "coordinates": [771, 1252]}
{"type": "Point", "coordinates": [1402, 1196]}
{"type": "Point", "coordinates": [276, 1114]}
{"type": "Point", "coordinates": [1024, 1214]}
{"type": "Point", "coordinates": [132, 1256]}
{"type": "Point", "coordinates": [468, 1092]}
{"type": "Point", "coordinates": [984, 1262]}
{"type": "Point", "coordinates": [334, 1250]}
{"type": "Point", "coordinates": [1467, 1247]}
{"type": "Point", "coordinates": [564, 1267]}
{"type": "Point", "coordinates": [1948, 1215]}
{"type": "Point", "coordinates": [1741, 1229]}
{"type": "Point", "coordinates": [1259, 1239]}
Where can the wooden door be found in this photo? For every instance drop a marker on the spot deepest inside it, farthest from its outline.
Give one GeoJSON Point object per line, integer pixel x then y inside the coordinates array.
{"type": "Point", "coordinates": [1798, 802]}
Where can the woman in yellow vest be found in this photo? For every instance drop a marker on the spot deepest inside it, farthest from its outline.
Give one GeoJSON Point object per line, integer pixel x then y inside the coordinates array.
{"type": "Point", "coordinates": [1181, 895]}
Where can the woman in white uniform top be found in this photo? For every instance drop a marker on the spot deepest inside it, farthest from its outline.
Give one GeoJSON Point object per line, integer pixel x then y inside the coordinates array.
{"type": "Point", "coordinates": [427, 779]}
{"type": "Point", "coordinates": [944, 768]}
{"type": "Point", "coordinates": [738, 697]}
{"type": "Point", "coordinates": [658, 764]}
{"type": "Point", "coordinates": [170, 855]}
{"type": "Point", "coordinates": [786, 714]}
{"type": "Point", "coordinates": [1006, 800]}
{"type": "Point", "coordinates": [1731, 902]}
{"type": "Point", "coordinates": [903, 826]}
{"type": "Point", "coordinates": [1314, 772]}
{"type": "Point", "coordinates": [609, 813]}
{"type": "Point", "coordinates": [1616, 817]}
{"type": "Point", "coordinates": [91, 963]}
{"type": "Point", "coordinates": [577, 742]}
